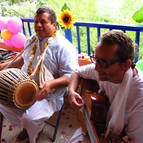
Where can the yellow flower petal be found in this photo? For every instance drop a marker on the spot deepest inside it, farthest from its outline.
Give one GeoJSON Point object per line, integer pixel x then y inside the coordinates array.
{"type": "Point", "coordinates": [66, 19]}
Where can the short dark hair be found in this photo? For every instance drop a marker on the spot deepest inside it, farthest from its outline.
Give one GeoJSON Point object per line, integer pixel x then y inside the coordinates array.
{"type": "Point", "coordinates": [52, 15]}
{"type": "Point", "coordinates": [125, 44]}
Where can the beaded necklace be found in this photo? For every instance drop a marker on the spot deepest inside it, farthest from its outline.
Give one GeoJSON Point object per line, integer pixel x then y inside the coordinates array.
{"type": "Point", "coordinates": [32, 55]}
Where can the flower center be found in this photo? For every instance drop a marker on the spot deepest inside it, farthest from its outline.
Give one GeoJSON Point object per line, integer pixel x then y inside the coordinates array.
{"type": "Point", "coordinates": [66, 18]}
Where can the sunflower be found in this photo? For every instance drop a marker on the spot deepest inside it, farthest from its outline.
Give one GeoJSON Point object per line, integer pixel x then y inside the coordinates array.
{"type": "Point", "coordinates": [65, 19]}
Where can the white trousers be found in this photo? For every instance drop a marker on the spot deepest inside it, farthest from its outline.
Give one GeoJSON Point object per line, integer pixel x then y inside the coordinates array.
{"type": "Point", "coordinates": [32, 119]}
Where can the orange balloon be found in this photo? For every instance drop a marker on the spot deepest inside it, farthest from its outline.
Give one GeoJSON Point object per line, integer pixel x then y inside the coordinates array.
{"type": "Point", "coordinates": [6, 34]}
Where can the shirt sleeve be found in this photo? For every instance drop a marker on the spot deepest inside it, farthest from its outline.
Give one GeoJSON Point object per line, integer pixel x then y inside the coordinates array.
{"type": "Point", "coordinates": [67, 60]}
{"type": "Point", "coordinates": [88, 72]}
{"type": "Point", "coordinates": [135, 127]}
{"type": "Point", "coordinates": [135, 110]}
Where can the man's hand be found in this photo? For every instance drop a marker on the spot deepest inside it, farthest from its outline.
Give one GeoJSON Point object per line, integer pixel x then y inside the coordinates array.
{"type": "Point", "coordinates": [135, 72]}
{"type": "Point", "coordinates": [45, 89]}
{"type": "Point", "coordinates": [75, 99]}
{"type": "Point", "coordinates": [49, 86]}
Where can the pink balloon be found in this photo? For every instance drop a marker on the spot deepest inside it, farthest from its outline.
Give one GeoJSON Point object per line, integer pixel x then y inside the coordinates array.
{"type": "Point", "coordinates": [8, 43]}
{"type": "Point", "coordinates": [3, 23]}
{"type": "Point", "coordinates": [14, 25]}
{"type": "Point", "coordinates": [18, 40]}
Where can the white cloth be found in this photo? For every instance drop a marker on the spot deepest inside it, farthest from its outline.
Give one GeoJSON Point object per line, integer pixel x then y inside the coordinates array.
{"type": "Point", "coordinates": [132, 117]}
{"type": "Point", "coordinates": [116, 114]}
{"type": "Point", "coordinates": [61, 59]}
{"type": "Point", "coordinates": [32, 119]}
{"type": "Point", "coordinates": [44, 74]}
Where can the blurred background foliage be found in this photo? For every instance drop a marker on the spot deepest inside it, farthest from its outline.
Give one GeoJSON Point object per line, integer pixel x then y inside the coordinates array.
{"type": "Point", "coordinates": [111, 11]}
{"type": "Point", "coordinates": [117, 11]}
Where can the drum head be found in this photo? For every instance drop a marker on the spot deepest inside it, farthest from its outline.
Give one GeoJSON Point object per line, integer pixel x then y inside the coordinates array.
{"type": "Point", "coordinates": [24, 95]}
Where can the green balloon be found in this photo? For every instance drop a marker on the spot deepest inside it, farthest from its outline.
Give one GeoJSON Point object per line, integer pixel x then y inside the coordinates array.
{"type": "Point", "coordinates": [139, 64]}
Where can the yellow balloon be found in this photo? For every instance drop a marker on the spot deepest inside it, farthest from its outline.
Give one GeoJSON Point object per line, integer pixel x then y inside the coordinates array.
{"type": "Point", "coordinates": [6, 34]}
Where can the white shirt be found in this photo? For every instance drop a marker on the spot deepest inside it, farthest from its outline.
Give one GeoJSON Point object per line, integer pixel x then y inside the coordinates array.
{"type": "Point", "coordinates": [61, 59]}
{"type": "Point", "coordinates": [134, 104]}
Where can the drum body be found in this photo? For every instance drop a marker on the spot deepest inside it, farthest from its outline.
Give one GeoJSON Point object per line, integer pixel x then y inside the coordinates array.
{"type": "Point", "coordinates": [17, 89]}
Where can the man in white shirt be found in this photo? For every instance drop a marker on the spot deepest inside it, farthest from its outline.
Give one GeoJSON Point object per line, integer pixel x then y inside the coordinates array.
{"type": "Point", "coordinates": [60, 59]}
{"type": "Point", "coordinates": [122, 83]}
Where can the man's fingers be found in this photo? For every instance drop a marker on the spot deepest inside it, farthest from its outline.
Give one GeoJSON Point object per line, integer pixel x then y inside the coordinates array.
{"type": "Point", "coordinates": [41, 94]}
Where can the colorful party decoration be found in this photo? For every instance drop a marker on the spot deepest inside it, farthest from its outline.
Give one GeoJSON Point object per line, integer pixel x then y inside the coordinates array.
{"type": "Point", "coordinates": [18, 40]}
{"type": "Point", "coordinates": [8, 43]}
{"type": "Point", "coordinates": [14, 25]}
{"type": "Point", "coordinates": [6, 34]}
{"type": "Point", "coordinates": [10, 32]}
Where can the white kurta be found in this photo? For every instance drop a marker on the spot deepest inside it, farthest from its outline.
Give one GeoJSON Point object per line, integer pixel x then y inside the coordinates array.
{"type": "Point", "coordinates": [61, 59]}
{"type": "Point", "coordinates": [133, 113]}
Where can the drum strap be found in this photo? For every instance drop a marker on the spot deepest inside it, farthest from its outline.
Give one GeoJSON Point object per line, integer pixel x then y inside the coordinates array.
{"type": "Point", "coordinates": [45, 74]}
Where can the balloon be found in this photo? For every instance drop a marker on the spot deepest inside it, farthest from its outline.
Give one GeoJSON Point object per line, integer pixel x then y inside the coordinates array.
{"type": "Point", "coordinates": [8, 43]}
{"type": "Point", "coordinates": [3, 22]}
{"type": "Point", "coordinates": [10, 33]}
{"type": "Point", "coordinates": [139, 64]}
{"type": "Point", "coordinates": [18, 40]}
{"type": "Point", "coordinates": [6, 34]}
{"type": "Point", "coordinates": [14, 25]}
{"type": "Point", "coordinates": [9, 47]}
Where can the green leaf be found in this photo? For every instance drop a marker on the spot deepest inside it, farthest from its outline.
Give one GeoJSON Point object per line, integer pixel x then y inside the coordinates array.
{"type": "Point", "coordinates": [138, 15]}
{"type": "Point", "coordinates": [64, 7]}
{"type": "Point", "coordinates": [13, 1]}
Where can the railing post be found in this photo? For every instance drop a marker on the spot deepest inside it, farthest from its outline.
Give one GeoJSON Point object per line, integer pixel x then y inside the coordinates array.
{"type": "Point", "coordinates": [68, 34]}
{"type": "Point", "coordinates": [137, 40]}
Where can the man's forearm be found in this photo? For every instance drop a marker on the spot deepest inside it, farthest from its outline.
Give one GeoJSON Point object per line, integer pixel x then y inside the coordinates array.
{"type": "Point", "coordinates": [74, 81]}
{"type": "Point", "coordinates": [16, 64]}
{"type": "Point", "coordinates": [59, 82]}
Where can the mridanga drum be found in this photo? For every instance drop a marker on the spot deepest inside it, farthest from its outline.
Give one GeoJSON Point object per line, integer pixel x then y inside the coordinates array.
{"type": "Point", "coordinates": [17, 89]}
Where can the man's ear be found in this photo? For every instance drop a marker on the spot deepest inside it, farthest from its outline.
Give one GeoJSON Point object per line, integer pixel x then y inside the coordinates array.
{"type": "Point", "coordinates": [55, 24]}
{"type": "Point", "coordinates": [126, 65]}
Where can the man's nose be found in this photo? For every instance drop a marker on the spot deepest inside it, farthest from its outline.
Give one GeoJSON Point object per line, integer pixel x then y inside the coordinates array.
{"type": "Point", "coordinates": [39, 24]}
